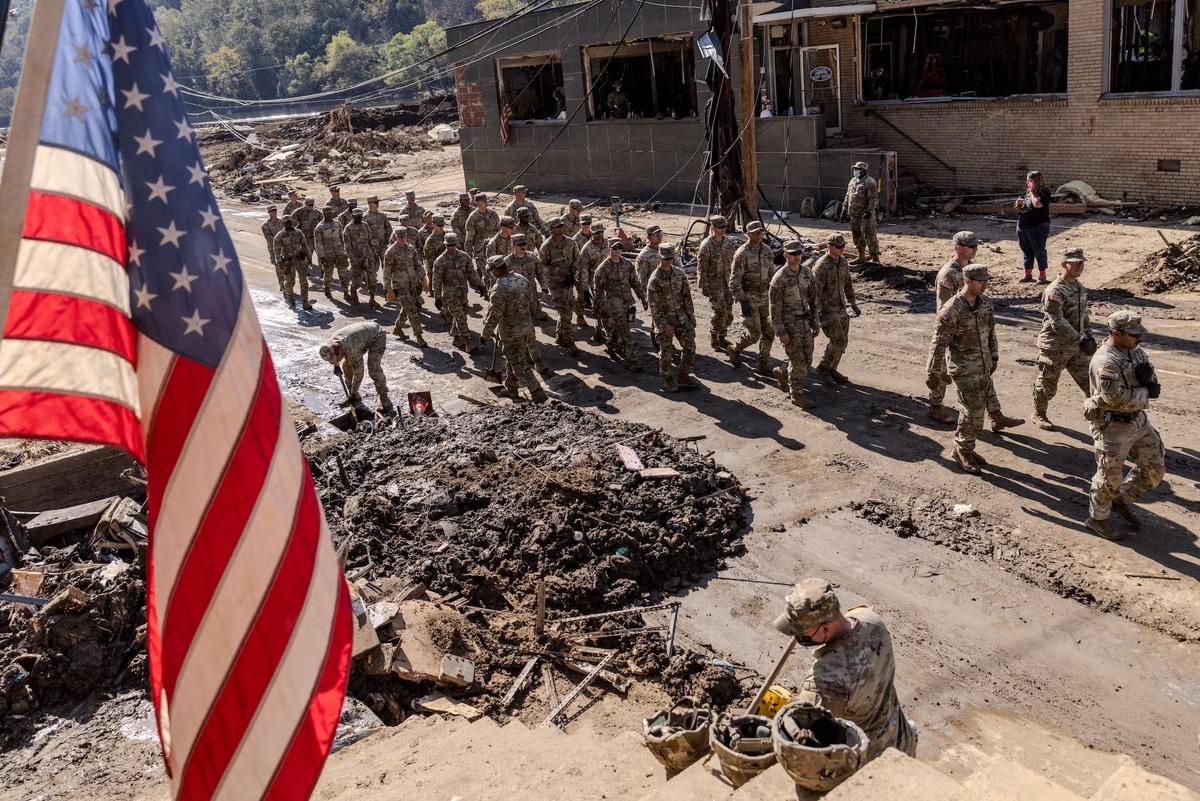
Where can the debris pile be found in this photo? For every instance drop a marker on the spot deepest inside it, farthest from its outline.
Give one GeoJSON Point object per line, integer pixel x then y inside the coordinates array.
{"type": "Point", "coordinates": [345, 145]}
{"type": "Point", "coordinates": [1175, 266]}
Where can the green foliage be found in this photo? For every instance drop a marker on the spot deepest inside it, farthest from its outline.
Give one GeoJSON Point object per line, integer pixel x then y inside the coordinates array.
{"type": "Point", "coordinates": [348, 62]}
{"type": "Point", "coordinates": [406, 49]}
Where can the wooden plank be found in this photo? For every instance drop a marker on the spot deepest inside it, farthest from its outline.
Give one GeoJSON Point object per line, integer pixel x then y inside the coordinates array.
{"type": "Point", "coordinates": [66, 479]}
{"type": "Point", "coordinates": [658, 472]}
{"type": "Point", "coordinates": [48, 525]}
{"type": "Point", "coordinates": [539, 624]}
{"type": "Point", "coordinates": [436, 702]}
{"type": "Point", "coordinates": [629, 457]}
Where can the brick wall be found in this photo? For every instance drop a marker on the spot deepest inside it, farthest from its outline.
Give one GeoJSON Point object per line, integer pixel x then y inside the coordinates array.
{"type": "Point", "coordinates": [470, 98]}
{"type": "Point", "coordinates": [1112, 143]}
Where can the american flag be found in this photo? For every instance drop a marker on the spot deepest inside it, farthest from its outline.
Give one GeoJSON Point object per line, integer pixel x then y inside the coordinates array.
{"type": "Point", "coordinates": [130, 324]}
{"type": "Point", "coordinates": [506, 113]}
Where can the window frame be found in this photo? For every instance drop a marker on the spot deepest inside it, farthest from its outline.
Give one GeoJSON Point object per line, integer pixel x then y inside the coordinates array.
{"type": "Point", "coordinates": [1176, 58]}
{"type": "Point", "coordinates": [687, 40]}
{"type": "Point", "coordinates": [535, 58]}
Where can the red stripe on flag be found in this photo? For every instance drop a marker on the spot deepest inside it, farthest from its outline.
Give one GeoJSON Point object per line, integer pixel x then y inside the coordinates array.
{"type": "Point", "coordinates": [258, 660]}
{"type": "Point", "coordinates": [49, 415]}
{"type": "Point", "coordinates": [223, 523]}
{"type": "Point", "coordinates": [75, 320]}
{"type": "Point", "coordinates": [56, 218]}
{"type": "Point", "coordinates": [300, 768]}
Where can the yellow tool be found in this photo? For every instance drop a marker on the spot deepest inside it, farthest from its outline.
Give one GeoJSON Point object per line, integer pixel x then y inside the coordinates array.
{"type": "Point", "coordinates": [775, 698]}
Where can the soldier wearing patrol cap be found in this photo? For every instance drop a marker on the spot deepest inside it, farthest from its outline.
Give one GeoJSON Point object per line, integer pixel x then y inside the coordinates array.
{"type": "Point", "coordinates": [584, 234]}
{"type": "Point", "coordinates": [521, 201]}
{"type": "Point", "coordinates": [425, 230]}
{"type": "Point", "coordinates": [793, 298]}
{"type": "Point", "coordinates": [331, 254]}
{"type": "Point", "coordinates": [647, 258]}
{"type": "Point", "coordinates": [335, 200]}
{"type": "Point", "coordinates": [615, 284]}
{"type": "Point", "coordinates": [381, 228]}
{"type": "Point", "coordinates": [510, 316]}
{"type": "Point", "coordinates": [669, 296]}
{"type": "Point", "coordinates": [749, 281]}
{"type": "Point", "coordinates": [452, 273]}
{"type": "Point", "coordinates": [835, 304]}
{"type": "Point", "coordinates": [307, 217]}
{"type": "Point", "coordinates": [593, 249]}
{"type": "Point", "coordinates": [270, 228]}
{"type": "Point", "coordinates": [499, 245]}
{"type": "Point", "coordinates": [411, 207]}
{"type": "Point", "coordinates": [715, 259]}
{"type": "Point", "coordinates": [347, 216]}
{"type": "Point", "coordinates": [293, 202]}
{"type": "Point", "coordinates": [1122, 384]}
{"type": "Point", "coordinates": [860, 207]}
{"type": "Point", "coordinates": [853, 670]}
{"type": "Point", "coordinates": [1064, 342]}
{"type": "Point", "coordinates": [458, 222]}
{"type": "Point", "coordinates": [571, 218]}
{"type": "Point", "coordinates": [526, 264]}
{"type": "Point", "coordinates": [525, 226]}
{"type": "Point", "coordinates": [482, 224]}
{"type": "Point", "coordinates": [560, 256]}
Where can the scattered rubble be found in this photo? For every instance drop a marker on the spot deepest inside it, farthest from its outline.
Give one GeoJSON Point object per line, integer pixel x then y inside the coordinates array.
{"type": "Point", "coordinates": [1175, 266]}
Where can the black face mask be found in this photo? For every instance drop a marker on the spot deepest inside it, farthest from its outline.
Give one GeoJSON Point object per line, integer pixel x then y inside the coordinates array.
{"type": "Point", "coordinates": [807, 642]}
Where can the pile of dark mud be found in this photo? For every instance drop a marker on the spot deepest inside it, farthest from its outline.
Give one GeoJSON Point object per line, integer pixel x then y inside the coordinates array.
{"type": "Point", "coordinates": [488, 502]}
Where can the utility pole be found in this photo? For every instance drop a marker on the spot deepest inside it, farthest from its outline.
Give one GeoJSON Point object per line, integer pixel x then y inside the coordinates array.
{"type": "Point", "coordinates": [749, 86]}
{"type": "Point", "coordinates": [726, 186]}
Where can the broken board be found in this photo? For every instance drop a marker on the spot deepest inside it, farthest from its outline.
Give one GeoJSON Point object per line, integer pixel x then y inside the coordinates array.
{"type": "Point", "coordinates": [629, 457]}
{"type": "Point", "coordinates": [417, 658]}
{"type": "Point", "coordinates": [49, 524]}
{"type": "Point", "coordinates": [436, 702]}
{"type": "Point", "coordinates": [658, 472]}
{"type": "Point", "coordinates": [66, 479]}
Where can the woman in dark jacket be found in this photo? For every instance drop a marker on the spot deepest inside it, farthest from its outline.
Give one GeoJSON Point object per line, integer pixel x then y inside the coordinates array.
{"type": "Point", "coordinates": [1033, 225]}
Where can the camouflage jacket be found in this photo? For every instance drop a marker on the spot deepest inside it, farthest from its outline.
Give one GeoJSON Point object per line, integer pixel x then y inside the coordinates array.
{"type": "Point", "coordinates": [269, 229]}
{"type": "Point", "coordinates": [854, 678]}
{"type": "Point", "coordinates": [529, 267]}
{"type": "Point", "coordinates": [498, 245]}
{"type": "Point", "coordinates": [338, 206]}
{"type": "Point", "coordinates": [793, 297]}
{"type": "Point", "coordinates": [480, 228]}
{"type": "Point", "coordinates": [949, 282]}
{"type": "Point", "coordinates": [452, 274]}
{"type": "Point", "coordinates": [590, 256]}
{"type": "Point", "coordinates": [327, 239]}
{"type": "Point", "coordinates": [581, 238]}
{"type": "Point", "coordinates": [415, 212]}
{"type": "Point", "coordinates": [968, 333]}
{"type": "Point", "coordinates": [357, 338]}
{"type": "Point", "coordinates": [291, 206]}
{"type": "Point", "coordinates": [1064, 316]}
{"type": "Point", "coordinates": [381, 231]}
{"type": "Point", "coordinates": [290, 246]}
{"type": "Point", "coordinates": [403, 270]}
{"type": "Point", "coordinates": [511, 310]}
{"type": "Point", "coordinates": [560, 258]}
{"type": "Point", "coordinates": [534, 218]}
{"type": "Point", "coordinates": [458, 223]}
{"type": "Point", "coordinates": [570, 226]}
{"type": "Point", "coordinates": [714, 261]}
{"type": "Point", "coordinates": [1114, 387]}
{"type": "Point", "coordinates": [346, 217]}
{"type": "Point", "coordinates": [423, 234]}
{"type": "Point", "coordinates": [644, 264]}
{"type": "Point", "coordinates": [306, 220]}
{"type": "Point", "coordinates": [533, 237]}
{"type": "Point", "coordinates": [357, 238]}
{"type": "Point", "coordinates": [614, 284]}
{"type": "Point", "coordinates": [435, 245]}
{"type": "Point", "coordinates": [833, 286]}
{"type": "Point", "coordinates": [751, 274]}
{"type": "Point", "coordinates": [862, 197]}
{"type": "Point", "coordinates": [669, 296]}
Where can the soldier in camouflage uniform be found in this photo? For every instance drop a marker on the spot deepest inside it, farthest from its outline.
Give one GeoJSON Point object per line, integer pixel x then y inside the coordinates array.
{"type": "Point", "coordinates": [793, 298]}
{"type": "Point", "coordinates": [861, 205]}
{"type": "Point", "coordinates": [966, 335]}
{"type": "Point", "coordinates": [349, 345]}
{"type": "Point", "coordinates": [1122, 384]}
{"type": "Point", "coordinates": [646, 261]}
{"type": "Point", "coordinates": [511, 317]}
{"type": "Point", "coordinates": [406, 223]}
{"type": "Point", "coordinates": [293, 203]}
{"type": "Point", "coordinates": [381, 230]}
{"type": "Point", "coordinates": [291, 249]}
{"type": "Point", "coordinates": [335, 200]}
{"type": "Point", "coordinates": [584, 234]}
{"type": "Point", "coordinates": [853, 670]}
{"type": "Point", "coordinates": [1064, 341]}
{"type": "Point", "coordinates": [498, 245]}
{"type": "Point", "coordinates": [435, 243]}
{"type": "Point", "coordinates": [521, 201]}
{"type": "Point", "coordinates": [525, 226]}
{"type": "Point", "coordinates": [414, 211]}
{"type": "Point", "coordinates": [669, 296]}
{"type": "Point", "coordinates": [363, 265]}
{"type": "Point", "coordinates": [453, 272]}
{"type": "Point", "coordinates": [306, 218]}
{"type": "Point", "coordinates": [424, 231]}
{"type": "Point", "coordinates": [571, 218]}
{"type": "Point", "coordinates": [749, 280]}
{"type": "Point", "coordinates": [615, 284]}
{"type": "Point", "coordinates": [331, 254]}
{"type": "Point", "coordinates": [715, 259]}
{"type": "Point", "coordinates": [458, 223]}
{"type": "Point", "coordinates": [404, 278]}
{"type": "Point", "coordinates": [270, 228]}
{"type": "Point", "coordinates": [347, 216]}
{"type": "Point", "coordinates": [526, 264]}
{"type": "Point", "coordinates": [560, 258]}
{"type": "Point", "coordinates": [835, 293]}
{"type": "Point", "coordinates": [482, 225]}
{"type": "Point", "coordinates": [592, 253]}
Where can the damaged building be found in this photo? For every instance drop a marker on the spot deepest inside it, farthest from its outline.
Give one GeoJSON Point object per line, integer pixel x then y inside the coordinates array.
{"type": "Point", "coordinates": [610, 97]}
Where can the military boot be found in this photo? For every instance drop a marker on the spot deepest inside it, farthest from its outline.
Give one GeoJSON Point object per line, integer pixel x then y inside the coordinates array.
{"type": "Point", "coordinates": [940, 413]}
{"type": "Point", "coordinates": [735, 356]}
{"type": "Point", "coordinates": [398, 331]}
{"type": "Point", "coordinates": [1001, 421]}
{"type": "Point", "coordinates": [420, 340]}
{"type": "Point", "coordinates": [328, 291]}
{"type": "Point", "coordinates": [597, 337]}
{"type": "Point", "coordinates": [669, 383]}
{"type": "Point", "coordinates": [781, 376]}
{"type": "Point", "coordinates": [838, 377]}
{"type": "Point", "coordinates": [1041, 421]}
{"type": "Point", "coordinates": [1104, 528]}
{"type": "Point", "coordinates": [688, 381]}
{"type": "Point", "coordinates": [966, 460]}
{"type": "Point", "coordinates": [1124, 508]}
{"type": "Point", "coordinates": [860, 259]}
{"type": "Point", "coordinates": [374, 304]}
{"type": "Point", "coordinates": [764, 365]}
{"type": "Point", "coordinates": [352, 297]}
{"type": "Point", "coordinates": [538, 395]}
{"type": "Point", "coordinates": [510, 392]}
{"type": "Point", "coordinates": [802, 400]}
{"type": "Point", "coordinates": [714, 341]}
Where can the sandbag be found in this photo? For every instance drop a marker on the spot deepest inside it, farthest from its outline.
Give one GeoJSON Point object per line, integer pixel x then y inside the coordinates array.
{"type": "Point", "coordinates": [817, 750]}
{"type": "Point", "coordinates": [678, 735]}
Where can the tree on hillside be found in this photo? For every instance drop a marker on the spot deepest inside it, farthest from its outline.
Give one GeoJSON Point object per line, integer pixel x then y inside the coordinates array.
{"type": "Point", "coordinates": [348, 62]}
{"type": "Point", "coordinates": [406, 49]}
{"type": "Point", "coordinates": [494, 9]}
{"type": "Point", "coordinates": [226, 71]}
{"type": "Point", "coordinates": [451, 12]}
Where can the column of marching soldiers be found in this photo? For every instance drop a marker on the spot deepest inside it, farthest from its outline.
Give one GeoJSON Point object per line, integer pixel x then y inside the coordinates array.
{"type": "Point", "coordinates": [506, 258]}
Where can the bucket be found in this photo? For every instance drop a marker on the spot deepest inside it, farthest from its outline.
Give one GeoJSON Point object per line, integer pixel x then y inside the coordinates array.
{"type": "Point", "coordinates": [678, 735]}
{"type": "Point", "coordinates": [817, 750]}
{"type": "Point", "coordinates": [346, 420]}
{"type": "Point", "coordinates": [743, 746]}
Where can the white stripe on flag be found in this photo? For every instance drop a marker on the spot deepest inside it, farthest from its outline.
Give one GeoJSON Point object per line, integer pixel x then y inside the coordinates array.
{"type": "Point", "coordinates": [242, 588]}
{"type": "Point", "coordinates": [39, 365]}
{"type": "Point", "coordinates": [70, 270]}
{"type": "Point", "coordinates": [153, 362]}
{"type": "Point", "coordinates": [286, 701]}
{"type": "Point", "coordinates": [214, 433]}
{"type": "Point", "coordinates": [65, 172]}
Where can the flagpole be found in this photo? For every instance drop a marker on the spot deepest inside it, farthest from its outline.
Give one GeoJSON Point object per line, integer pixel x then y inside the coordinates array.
{"type": "Point", "coordinates": [23, 140]}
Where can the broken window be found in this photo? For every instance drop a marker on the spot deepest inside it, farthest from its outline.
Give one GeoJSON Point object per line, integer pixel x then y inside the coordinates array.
{"type": "Point", "coordinates": [1014, 49]}
{"type": "Point", "coordinates": [1154, 46]}
{"type": "Point", "coordinates": [532, 86]}
{"type": "Point", "coordinates": [650, 78]}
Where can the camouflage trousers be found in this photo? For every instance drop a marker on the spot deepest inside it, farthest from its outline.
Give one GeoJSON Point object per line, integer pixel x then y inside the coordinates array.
{"type": "Point", "coordinates": [722, 306]}
{"type": "Point", "coordinates": [686, 337]}
{"type": "Point", "coordinates": [864, 231]}
{"type": "Point", "coordinates": [407, 304]}
{"type": "Point", "coordinates": [1050, 367]}
{"type": "Point", "coordinates": [281, 274]}
{"type": "Point", "coordinates": [615, 316]}
{"type": "Point", "coordinates": [518, 349]}
{"type": "Point", "coordinates": [941, 379]}
{"type": "Point", "coordinates": [799, 350]}
{"type": "Point", "coordinates": [481, 268]}
{"type": "Point", "coordinates": [973, 392]}
{"type": "Point", "coordinates": [354, 370]}
{"type": "Point", "coordinates": [836, 329]}
{"type": "Point", "coordinates": [363, 274]}
{"type": "Point", "coordinates": [292, 270]}
{"type": "Point", "coordinates": [454, 306]}
{"type": "Point", "coordinates": [563, 298]}
{"type": "Point", "coordinates": [580, 305]}
{"type": "Point", "coordinates": [758, 329]}
{"type": "Point", "coordinates": [330, 264]}
{"type": "Point", "coordinates": [1115, 442]}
